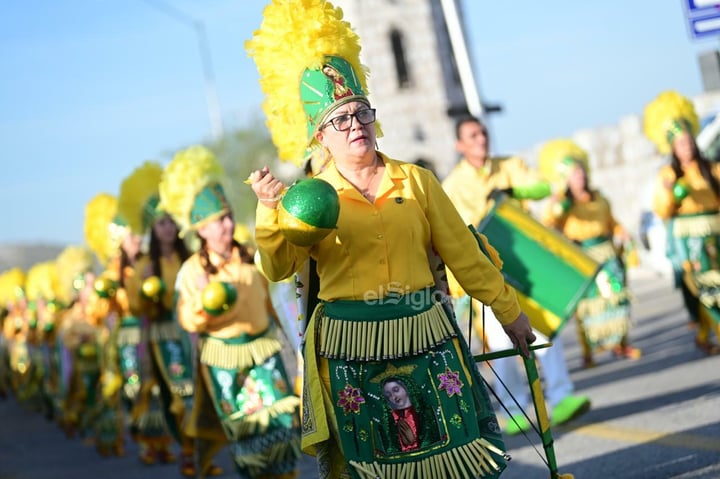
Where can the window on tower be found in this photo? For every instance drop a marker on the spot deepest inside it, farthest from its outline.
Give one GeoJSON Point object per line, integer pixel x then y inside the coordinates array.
{"type": "Point", "coordinates": [401, 66]}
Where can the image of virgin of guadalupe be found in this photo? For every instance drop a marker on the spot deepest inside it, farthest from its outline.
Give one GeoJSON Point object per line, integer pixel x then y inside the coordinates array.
{"type": "Point", "coordinates": [340, 89]}
{"type": "Point", "coordinates": [406, 423]}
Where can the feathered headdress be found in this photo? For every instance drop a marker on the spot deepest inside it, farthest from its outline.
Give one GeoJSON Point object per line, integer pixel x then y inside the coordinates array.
{"type": "Point", "coordinates": [190, 189]}
{"type": "Point", "coordinates": [41, 280]}
{"type": "Point", "coordinates": [104, 230]}
{"type": "Point", "coordinates": [139, 198]}
{"type": "Point", "coordinates": [557, 156]}
{"type": "Point", "coordinates": [12, 286]}
{"type": "Point", "coordinates": [308, 58]}
{"type": "Point", "coordinates": [71, 263]}
{"type": "Point", "coordinates": [668, 114]}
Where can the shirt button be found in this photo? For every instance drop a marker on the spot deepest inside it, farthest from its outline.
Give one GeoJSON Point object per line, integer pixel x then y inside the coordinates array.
{"type": "Point", "coordinates": [375, 213]}
{"type": "Point", "coordinates": [379, 236]}
{"type": "Point", "coordinates": [382, 261]}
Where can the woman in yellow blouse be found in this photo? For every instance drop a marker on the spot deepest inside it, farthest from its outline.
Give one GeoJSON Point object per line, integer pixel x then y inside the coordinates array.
{"type": "Point", "coordinates": [165, 359]}
{"type": "Point", "coordinates": [379, 314]}
{"type": "Point", "coordinates": [584, 216]}
{"type": "Point", "coordinates": [115, 310]}
{"type": "Point", "coordinates": [687, 197]}
{"type": "Point", "coordinates": [242, 394]}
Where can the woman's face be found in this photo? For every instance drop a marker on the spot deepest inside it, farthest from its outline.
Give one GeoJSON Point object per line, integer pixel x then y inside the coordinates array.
{"type": "Point", "coordinates": [576, 178]}
{"type": "Point", "coordinates": [165, 230]}
{"type": "Point", "coordinates": [358, 141]}
{"type": "Point", "coordinates": [682, 144]}
{"type": "Point", "coordinates": [218, 234]}
{"type": "Point", "coordinates": [131, 244]}
{"type": "Point", "coordinates": [396, 394]}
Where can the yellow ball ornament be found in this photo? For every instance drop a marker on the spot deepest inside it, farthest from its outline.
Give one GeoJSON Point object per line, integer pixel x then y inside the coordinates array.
{"type": "Point", "coordinates": [153, 288]}
{"type": "Point", "coordinates": [218, 297]}
{"type": "Point", "coordinates": [105, 287]}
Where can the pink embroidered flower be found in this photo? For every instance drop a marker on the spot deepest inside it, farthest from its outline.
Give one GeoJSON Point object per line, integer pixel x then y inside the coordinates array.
{"type": "Point", "coordinates": [450, 382]}
{"type": "Point", "coordinates": [176, 370]}
{"type": "Point", "coordinates": [350, 399]}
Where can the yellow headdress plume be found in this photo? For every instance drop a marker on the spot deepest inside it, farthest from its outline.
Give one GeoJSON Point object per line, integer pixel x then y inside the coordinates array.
{"type": "Point", "coordinates": [40, 281]}
{"type": "Point", "coordinates": [101, 236]}
{"type": "Point", "coordinates": [308, 58]}
{"type": "Point", "coordinates": [668, 114]}
{"type": "Point", "coordinates": [70, 263]}
{"type": "Point", "coordinates": [556, 156]}
{"type": "Point", "coordinates": [190, 189]}
{"type": "Point", "coordinates": [138, 198]}
{"type": "Point", "coordinates": [12, 286]}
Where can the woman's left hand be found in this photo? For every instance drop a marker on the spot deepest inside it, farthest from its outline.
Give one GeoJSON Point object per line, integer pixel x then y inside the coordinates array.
{"type": "Point", "coordinates": [521, 334]}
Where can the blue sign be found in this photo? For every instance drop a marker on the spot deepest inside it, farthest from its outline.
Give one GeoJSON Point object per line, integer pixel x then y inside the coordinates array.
{"type": "Point", "coordinates": [698, 7]}
{"type": "Point", "coordinates": [703, 18]}
{"type": "Point", "coordinates": [703, 27]}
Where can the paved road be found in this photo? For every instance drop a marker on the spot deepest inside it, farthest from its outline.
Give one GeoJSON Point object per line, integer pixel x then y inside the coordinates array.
{"type": "Point", "coordinates": [655, 418]}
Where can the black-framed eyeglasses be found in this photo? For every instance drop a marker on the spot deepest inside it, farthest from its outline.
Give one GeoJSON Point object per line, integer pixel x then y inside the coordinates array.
{"type": "Point", "coordinates": [344, 122]}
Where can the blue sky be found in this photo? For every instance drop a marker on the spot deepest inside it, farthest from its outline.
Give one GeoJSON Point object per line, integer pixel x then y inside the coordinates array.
{"type": "Point", "coordinates": [92, 88]}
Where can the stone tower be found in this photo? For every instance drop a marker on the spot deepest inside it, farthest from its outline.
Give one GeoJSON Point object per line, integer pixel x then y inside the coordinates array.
{"type": "Point", "coordinates": [415, 75]}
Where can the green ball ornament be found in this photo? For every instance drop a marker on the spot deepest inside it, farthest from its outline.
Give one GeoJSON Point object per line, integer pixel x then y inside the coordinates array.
{"type": "Point", "coordinates": [308, 211]}
{"type": "Point", "coordinates": [218, 297]}
{"type": "Point", "coordinates": [680, 190]}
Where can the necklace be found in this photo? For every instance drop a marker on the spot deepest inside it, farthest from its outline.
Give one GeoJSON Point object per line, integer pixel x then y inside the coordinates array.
{"type": "Point", "coordinates": [365, 190]}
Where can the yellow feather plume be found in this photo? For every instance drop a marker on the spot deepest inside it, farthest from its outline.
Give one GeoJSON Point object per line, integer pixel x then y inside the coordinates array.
{"type": "Point", "coordinates": [183, 178]}
{"type": "Point", "coordinates": [552, 154]}
{"type": "Point", "coordinates": [295, 35]}
{"type": "Point", "coordinates": [135, 192]}
{"type": "Point", "coordinates": [662, 112]}
{"type": "Point", "coordinates": [12, 282]}
{"type": "Point", "coordinates": [71, 262]}
{"type": "Point", "coordinates": [41, 280]}
{"type": "Point", "coordinates": [99, 214]}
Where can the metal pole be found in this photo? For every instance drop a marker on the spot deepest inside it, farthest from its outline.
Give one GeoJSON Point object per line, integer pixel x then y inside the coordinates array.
{"type": "Point", "coordinates": [213, 103]}
{"type": "Point", "coordinates": [462, 57]}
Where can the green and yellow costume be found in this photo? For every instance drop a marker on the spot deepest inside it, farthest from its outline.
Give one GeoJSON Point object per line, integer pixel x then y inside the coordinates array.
{"type": "Point", "coordinates": [243, 397]}
{"type": "Point", "coordinates": [604, 314]}
{"type": "Point", "coordinates": [690, 210]}
{"type": "Point", "coordinates": [379, 316]}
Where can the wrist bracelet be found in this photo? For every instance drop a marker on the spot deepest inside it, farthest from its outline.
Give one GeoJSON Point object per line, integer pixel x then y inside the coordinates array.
{"type": "Point", "coordinates": [276, 198]}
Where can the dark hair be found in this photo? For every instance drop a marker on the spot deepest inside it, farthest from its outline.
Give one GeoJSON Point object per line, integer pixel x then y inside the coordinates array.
{"type": "Point", "coordinates": [703, 164]}
{"type": "Point", "coordinates": [209, 267]}
{"type": "Point", "coordinates": [467, 119]}
{"type": "Point", "coordinates": [125, 261]}
{"type": "Point", "coordinates": [179, 247]}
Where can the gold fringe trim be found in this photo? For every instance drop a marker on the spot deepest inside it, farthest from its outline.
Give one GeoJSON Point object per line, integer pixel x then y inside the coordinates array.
{"type": "Point", "coordinates": [218, 354]}
{"type": "Point", "coordinates": [707, 288]}
{"type": "Point", "coordinates": [469, 460]}
{"type": "Point", "coordinates": [129, 335]}
{"type": "Point", "coordinates": [387, 339]}
{"type": "Point", "coordinates": [593, 306]}
{"type": "Point", "coordinates": [617, 327]}
{"type": "Point", "coordinates": [164, 331]}
{"type": "Point", "coordinates": [602, 252]}
{"type": "Point", "coordinates": [258, 422]}
{"type": "Point", "coordinates": [703, 225]}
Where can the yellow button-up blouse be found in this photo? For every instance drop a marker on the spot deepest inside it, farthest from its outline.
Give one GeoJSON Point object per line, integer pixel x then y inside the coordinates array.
{"type": "Point", "coordinates": [585, 220]}
{"type": "Point", "coordinates": [383, 246]}
{"type": "Point", "coordinates": [700, 200]}
{"type": "Point", "coordinates": [250, 314]}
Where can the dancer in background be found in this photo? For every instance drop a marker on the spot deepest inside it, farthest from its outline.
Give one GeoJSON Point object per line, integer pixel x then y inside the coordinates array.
{"type": "Point", "coordinates": [687, 198]}
{"type": "Point", "coordinates": [584, 215]}
{"type": "Point", "coordinates": [242, 394]}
